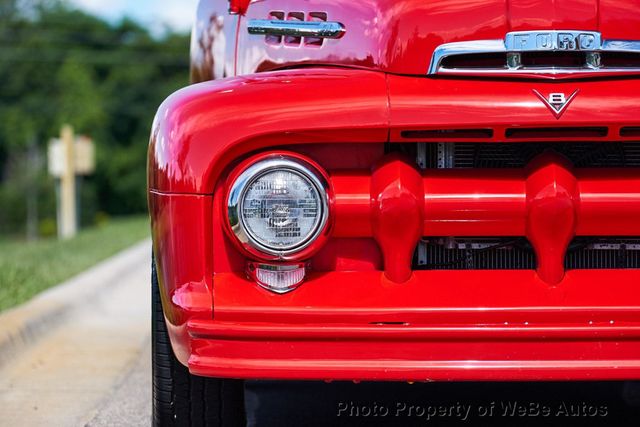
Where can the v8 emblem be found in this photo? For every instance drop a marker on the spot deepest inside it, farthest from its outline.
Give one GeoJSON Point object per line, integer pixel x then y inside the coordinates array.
{"type": "Point", "coordinates": [556, 102]}
{"type": "Point", "coordinates": [557, 98]}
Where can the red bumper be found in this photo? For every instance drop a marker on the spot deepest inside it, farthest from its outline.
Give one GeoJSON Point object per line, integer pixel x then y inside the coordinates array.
{"type": "Point", "coordinates": [445, 325]}
{"type": "Point", "coordinates": [469, 325]}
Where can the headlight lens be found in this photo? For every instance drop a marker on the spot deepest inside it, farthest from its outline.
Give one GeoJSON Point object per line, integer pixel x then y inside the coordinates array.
{"type": "Point", "coordinates": [281, 209]}
{"type": "Point", "coordinates": [278, 206]}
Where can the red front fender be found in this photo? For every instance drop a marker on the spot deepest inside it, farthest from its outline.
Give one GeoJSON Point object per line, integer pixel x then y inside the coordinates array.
{"type": "Point", "coordinates": [200, 129]}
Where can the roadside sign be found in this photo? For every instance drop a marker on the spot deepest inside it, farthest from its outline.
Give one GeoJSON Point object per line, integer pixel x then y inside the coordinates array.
{"type": "Point", "coordinates": [84, 157]}
{"type": "Point", "coordinates": [56, 158]}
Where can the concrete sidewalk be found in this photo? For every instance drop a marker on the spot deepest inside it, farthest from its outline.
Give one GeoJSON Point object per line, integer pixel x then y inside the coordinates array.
{"type": "Point", "coordinates": [64, 353]}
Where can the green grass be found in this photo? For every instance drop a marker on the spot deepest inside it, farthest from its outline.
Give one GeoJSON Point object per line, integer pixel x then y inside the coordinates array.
{"type": "Point", "coordinates": [29, 268]}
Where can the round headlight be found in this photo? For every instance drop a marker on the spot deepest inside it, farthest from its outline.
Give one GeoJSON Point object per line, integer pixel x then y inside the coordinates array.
{"type": "Point", "coordinates": [278, 206]}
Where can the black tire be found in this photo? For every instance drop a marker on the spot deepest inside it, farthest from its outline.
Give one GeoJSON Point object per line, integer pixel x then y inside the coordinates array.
{"type": "Point", "coordinates": [631, 393]}
{"type": "Point", "coordinates": [182, 399]}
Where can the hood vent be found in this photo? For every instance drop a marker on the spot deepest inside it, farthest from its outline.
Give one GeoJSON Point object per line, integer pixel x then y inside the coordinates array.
{"type": "Point", "coordinates": [563, 132]}
{"type": "Point", "coordinates": [542, 134]}
{"type": "Point", "coordinates": [439, 134]}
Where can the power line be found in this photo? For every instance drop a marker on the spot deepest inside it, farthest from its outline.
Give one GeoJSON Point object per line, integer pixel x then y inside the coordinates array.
{"type": "Point", "coordinates": [111, 38]}
{"type": "Point", "coordinates": [88, 20]}
{"type": "Point", "coordinates": [99, 50]}
{"type": "Point", "coordinates": [22, 54]}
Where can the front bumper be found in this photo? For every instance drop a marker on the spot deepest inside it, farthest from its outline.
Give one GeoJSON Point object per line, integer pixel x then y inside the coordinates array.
{"type": "Point", "coordinates": [441, 325]}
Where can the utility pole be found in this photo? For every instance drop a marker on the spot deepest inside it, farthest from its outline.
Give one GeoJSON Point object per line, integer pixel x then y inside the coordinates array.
{"type": "Point", "coordinates": [67, 221]}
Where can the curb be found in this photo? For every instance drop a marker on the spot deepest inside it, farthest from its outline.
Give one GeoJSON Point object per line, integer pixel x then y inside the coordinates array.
{"type": "Point", "coordinates": [24, 324]}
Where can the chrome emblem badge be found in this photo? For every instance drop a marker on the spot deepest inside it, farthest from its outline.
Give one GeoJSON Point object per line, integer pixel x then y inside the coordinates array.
{"type": "Point", "coordinates": [524, 41]}
{"type": "Point", "coordinates": [557, 102]}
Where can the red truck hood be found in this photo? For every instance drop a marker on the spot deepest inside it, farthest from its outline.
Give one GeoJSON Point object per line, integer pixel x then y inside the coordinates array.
{"type": "Point", "coordinates": [416, 27]}
{"type": "Point", "coordinates": [400, 36]}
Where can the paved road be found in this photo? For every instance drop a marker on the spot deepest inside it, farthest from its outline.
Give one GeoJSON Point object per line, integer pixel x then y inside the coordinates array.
{"type": "Point", "coordinates": [93, 368]}
{"type": "Point", "coordinates": [74, 372]}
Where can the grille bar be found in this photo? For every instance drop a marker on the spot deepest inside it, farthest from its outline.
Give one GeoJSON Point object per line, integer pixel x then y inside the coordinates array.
{"type": "Point", "coordinates": [474, 202]}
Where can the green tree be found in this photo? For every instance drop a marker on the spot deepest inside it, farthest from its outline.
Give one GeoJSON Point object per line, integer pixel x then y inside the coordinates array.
{"type": "Point", "coordinates": [79, 97]}
{"type": "Point", "coordinates": [60, 65]}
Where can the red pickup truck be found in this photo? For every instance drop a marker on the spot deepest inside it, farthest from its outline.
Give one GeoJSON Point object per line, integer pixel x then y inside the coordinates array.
{"type": "Point", "coordinates": [403, 190]}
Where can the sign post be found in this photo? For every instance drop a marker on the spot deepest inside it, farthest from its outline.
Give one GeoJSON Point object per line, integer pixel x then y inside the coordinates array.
{"type": "Point", "coordinates": [68, 226]}
{"type": "Point", "coordinates": [69, 157]}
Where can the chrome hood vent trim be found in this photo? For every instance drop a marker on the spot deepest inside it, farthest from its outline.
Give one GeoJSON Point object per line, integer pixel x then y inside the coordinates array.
{"type": "Point", "coordinates": [293, 28]}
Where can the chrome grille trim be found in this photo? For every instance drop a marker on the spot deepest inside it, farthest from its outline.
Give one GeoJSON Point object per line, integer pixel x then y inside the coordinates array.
{"type": "Point", "coordinates": [518, 42]}
{"type": "Point", "coordinates": [464, 48]}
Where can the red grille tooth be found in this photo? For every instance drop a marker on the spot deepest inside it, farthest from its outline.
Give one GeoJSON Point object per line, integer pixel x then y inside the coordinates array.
{"type": "Point", "coordinates": [397, 201]}
{"type": "Point", "coordinates": [552, 205]}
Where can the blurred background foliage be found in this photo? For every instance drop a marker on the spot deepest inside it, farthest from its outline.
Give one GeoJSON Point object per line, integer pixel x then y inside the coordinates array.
{"type": "Point", "coordinates": [61, 65]}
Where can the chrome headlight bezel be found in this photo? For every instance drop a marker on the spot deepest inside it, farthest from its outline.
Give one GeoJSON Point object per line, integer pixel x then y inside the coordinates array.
{"type": "Point", "coordinates": [255, 171]}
